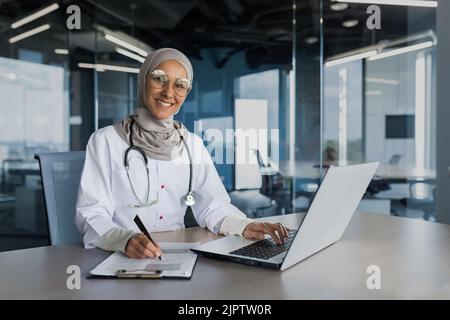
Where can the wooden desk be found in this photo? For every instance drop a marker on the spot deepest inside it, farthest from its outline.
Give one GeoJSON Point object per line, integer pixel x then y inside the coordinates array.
{"type": "Point", "coordinates": [414, 257]}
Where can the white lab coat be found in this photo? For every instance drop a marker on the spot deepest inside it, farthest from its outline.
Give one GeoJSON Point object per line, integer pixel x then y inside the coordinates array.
{"type": "Point", "coordinates": [105, 194]}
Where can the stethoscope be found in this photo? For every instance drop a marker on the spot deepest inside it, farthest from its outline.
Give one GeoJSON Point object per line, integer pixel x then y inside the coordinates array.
{"type": "Point", "coordinates": [188, 199]}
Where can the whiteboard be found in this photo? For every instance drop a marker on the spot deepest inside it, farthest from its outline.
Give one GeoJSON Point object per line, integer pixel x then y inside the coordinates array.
{"type": "Point", "coordinates": [251, 133]}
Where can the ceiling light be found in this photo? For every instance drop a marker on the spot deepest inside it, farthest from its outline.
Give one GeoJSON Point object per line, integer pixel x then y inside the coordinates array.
{"type": "Point", "coordinates": [130, 54]}
{"type": "Point", "coordinates": [90, 66]}
{"type": "Point", "coordinates": [382, 81]}
{"type": "Point", "coordinates": [354, 57]}
{"type": "Point", "coordinates": [103, 67]}
{"type": "Point", "coordinates": [412, 3]}
{"type": "Point", "coordinates": [125, 44]}
{"type": "Point", "coordinates": [337, 6]}
{"type": "Point", "coordinates": [29, 33]}
{"type": "Point", "coordinates": [35, 15]}
{"type": "Point", "coordinates": [311, 40]}
{"type": "Point", "coordinates": [61, 51]}
{"type": "Point", "coordinates": [374, 93]}
{"type": "Point", "coordinates": [395, 52]}
{"type": "Point", "coordinates": [350, 23]}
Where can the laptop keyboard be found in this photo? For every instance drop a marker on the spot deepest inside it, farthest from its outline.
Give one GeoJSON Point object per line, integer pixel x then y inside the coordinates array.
{"type": "Point", "coordinates": [267, 248]}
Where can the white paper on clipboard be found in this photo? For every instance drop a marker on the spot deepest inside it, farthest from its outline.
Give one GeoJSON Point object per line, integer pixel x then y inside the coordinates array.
{"type": "Point", "coordinates": [177, 261]}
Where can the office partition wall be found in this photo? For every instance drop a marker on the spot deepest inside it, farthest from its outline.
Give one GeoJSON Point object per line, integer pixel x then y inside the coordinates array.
{"type": "Point", "coordinates": [380, 100]}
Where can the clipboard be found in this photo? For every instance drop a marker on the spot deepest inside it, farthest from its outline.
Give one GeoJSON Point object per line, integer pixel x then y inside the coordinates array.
{"type": "Point", "coordinates": [178, 262]}
{"type": "Point", "coordinates": [125, 274]}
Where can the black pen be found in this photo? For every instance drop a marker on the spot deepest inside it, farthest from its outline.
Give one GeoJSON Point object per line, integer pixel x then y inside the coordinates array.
{"type": "Point", "coordinates": [141, 227]}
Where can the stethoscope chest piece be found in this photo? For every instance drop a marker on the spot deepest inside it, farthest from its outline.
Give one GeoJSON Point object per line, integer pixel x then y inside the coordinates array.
{"type": "Point", "coordinates": [189, 199]}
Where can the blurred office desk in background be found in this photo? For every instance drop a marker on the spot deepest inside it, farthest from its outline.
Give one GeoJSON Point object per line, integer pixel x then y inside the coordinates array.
{"type": "Point", "coordinates": [393, 173]}
{"type": "Point", "coordinates": [308, 174]}
{"type": "Point", "coordinates": [413, 256]}
{"type": "Point", "coordinates": [390, 173]}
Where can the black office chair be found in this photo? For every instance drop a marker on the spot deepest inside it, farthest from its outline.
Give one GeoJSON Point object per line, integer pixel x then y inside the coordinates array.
{"type": "Point", "coordinates": [272, 179]}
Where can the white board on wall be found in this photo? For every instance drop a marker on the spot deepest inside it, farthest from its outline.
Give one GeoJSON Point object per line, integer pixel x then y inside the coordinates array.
{"type": "Point", "coordinates": [251, 133]}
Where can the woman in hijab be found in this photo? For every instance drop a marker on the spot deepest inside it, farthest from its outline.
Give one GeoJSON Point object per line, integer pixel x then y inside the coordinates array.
{"type": "Point", "coordinates": [151, 166]}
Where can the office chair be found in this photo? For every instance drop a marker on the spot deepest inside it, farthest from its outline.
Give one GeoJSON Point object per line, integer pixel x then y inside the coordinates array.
{"type": "Point", "coordinates": [377, 186]}
{"type": "Point", "coordinates": [253, 203]}
{"type": "Point", "coordinates": [60, 176]}
{"type": "Point", "coordinates": [256, 203]}
{"type": "Point", "coordinates": [272, 180]}
{"type": "Point", "coordinates": [424, 202]}
{"type": "Point", "coordinates": [395, 159]}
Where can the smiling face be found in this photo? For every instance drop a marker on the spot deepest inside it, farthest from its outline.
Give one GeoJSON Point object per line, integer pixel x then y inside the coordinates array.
{"type": "Point", "coordinates": [165, 102]}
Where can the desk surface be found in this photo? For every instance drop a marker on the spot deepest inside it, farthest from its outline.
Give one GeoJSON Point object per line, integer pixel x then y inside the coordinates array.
{"type": "Point", "coordinates": [414, 257]}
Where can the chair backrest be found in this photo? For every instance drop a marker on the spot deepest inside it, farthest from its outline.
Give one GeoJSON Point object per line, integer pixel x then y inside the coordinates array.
{"type": "Point", "coordinates": [395, 159]}
{"type": "Point", "coordinates": [61, 174]}
{"type": "Point", "coordinates": [260, 159]}
{"type": "Point", "coordinates": [272, 179]}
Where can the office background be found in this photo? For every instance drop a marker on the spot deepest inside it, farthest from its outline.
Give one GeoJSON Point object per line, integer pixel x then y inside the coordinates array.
{"type": "Point", "coordinates": [334, 90]}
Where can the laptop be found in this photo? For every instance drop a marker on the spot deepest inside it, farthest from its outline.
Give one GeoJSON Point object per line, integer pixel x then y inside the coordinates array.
{"type": "Point", "coordinates": [328, 216]}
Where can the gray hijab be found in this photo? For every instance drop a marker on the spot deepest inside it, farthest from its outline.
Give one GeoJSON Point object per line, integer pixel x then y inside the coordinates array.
{"type": "Point", "coordinates": [160, 139]}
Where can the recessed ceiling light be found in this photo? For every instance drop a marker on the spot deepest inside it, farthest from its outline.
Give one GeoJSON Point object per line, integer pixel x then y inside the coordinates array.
{"type": "Point", "coordinates": [103, 67]}
{"type": "Point", "coordinates": [35, 15]}
{"type": "Point", "coordinates": [130, 55]}
{"type": "Point", "coordinates": [354, 57]}
{"type": "Point", "coordinates": [416, 3]}
{"type": "Point", "coordinates": [338, 6]}
{"type": "Point", "coordinates": [61, 51]}
{"type": "Point", "coordinates": [125, 44]}
{"type": "Point", "coordinates": [394, 52]}
{"type": "Point", "coordinates": [29, 33]}
{"type": "Point", "coordinates": [350, 23]}
{"type": "Point", "coordinates": [311, 40]}
{"type": "Point", "coordinates": [374, 92]}
{"type": "Point", "coordinates": [382, 81]}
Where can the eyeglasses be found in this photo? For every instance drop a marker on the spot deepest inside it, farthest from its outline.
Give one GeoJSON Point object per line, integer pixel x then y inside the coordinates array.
{"type": "Point", "coordinates": [160, 80]}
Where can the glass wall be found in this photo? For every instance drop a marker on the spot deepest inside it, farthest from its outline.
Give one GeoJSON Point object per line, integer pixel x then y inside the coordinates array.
{"type": "Point", "coordinates": [306, 106]}
{"type": "Point", "coordinates": [47, 106]}
{"type": "Point", "coordinates": [379, 101]}
{"type": "Point", "coordinates": [59, 84]}
{"type": "Point", "coordinates": [34, 118]}
{"type": "Point", "coordinates": [281, 91]}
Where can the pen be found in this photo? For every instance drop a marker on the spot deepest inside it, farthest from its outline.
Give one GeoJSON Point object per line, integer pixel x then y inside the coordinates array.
{"type": "Point", "coordinates": [141, 227]}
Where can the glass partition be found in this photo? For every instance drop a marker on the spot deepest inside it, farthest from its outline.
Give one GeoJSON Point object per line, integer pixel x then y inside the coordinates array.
{"type": "Point", "coordinates": [61, 82]}
{"type": "Point", "coordinates": [281, 91]}
{"type": "Point", "coordinates": [379, 100]}
{"type": "Point", "coordinates": [34, 116]}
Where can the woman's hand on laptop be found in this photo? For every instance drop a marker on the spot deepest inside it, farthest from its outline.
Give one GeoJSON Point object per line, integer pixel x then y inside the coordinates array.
{"type": "Point", "coordinates": [257, 230]}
